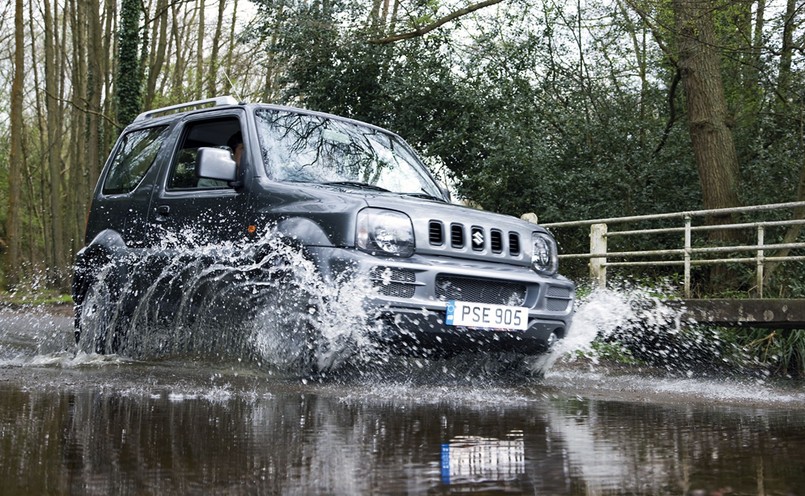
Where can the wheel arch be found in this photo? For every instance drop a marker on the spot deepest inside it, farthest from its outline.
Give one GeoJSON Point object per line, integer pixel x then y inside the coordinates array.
{"type": "Point", "coordinates": [107, 246]}
{"type": "Point", "coordinates": [304, 231]}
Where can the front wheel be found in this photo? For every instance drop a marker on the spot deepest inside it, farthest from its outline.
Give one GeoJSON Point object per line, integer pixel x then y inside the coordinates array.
{"type": "Point", "coordinates": [285, 332]}
{"type": "Point", "coordinates": [98, 320]}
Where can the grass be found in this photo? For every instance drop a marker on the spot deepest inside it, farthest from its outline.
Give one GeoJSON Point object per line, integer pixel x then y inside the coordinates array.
{"type": "Point", "coordinates": [31, 297]}
{"type": "Point", "coordinates": [782, 350]}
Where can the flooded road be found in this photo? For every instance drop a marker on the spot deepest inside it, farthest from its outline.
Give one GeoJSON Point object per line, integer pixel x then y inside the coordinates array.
{"type": "Point", "coordinates": [75, 423]}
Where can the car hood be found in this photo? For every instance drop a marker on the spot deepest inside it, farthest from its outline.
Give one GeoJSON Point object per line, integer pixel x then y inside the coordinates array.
{"type": "Point", "coordinates": [440, 228]}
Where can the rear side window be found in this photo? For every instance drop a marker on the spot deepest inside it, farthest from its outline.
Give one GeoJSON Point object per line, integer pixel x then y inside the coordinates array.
{"type": "Point", "coordinates": [134, 157]}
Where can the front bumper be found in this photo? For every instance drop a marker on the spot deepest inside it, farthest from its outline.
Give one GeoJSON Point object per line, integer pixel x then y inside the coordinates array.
{"type": "Point", "coordinates": [411, 294]}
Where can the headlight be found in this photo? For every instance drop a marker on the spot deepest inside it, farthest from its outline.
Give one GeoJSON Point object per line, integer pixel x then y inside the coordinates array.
{"type": "Point", "coordinates": [543, 253]}
{"type": "Point", "coordinates": [385, 232]}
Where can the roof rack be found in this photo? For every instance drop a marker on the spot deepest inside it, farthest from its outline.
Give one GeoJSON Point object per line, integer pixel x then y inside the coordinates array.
{"type": "Point", "coordinates": [215, 102]}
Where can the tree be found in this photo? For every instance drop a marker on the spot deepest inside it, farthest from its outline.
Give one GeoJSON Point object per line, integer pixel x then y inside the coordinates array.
{"type": "Point", "coordinates": [711, 137]}
{"type": "Point", "coordinates": [15, 155]}
{"type": "Point", "coordinates": [128, 82]}
{"type": "Point", "coordinates": [422, 30]}
{"type": "Point", "coordinates": [58, 270]}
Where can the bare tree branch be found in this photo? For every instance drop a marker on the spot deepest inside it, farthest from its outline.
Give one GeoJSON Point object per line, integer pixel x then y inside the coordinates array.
{"type": "Point", "coordinates": [435, 24]}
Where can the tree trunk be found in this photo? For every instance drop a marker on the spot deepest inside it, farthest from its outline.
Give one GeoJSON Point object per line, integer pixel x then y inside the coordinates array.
{"type": "Point", "coordinates": [183, 50]}
{"type": "Point", "coordinates": [159, 36]}
{"type": "Point", "coordinates": [15, 155]}
{"type": "Point", "coordinates": [79, 75]}
{"type": "Point", "coordinates": [200, 51]}
{"type": "Point", "coordinates": [230, 50]}
{"type": "Point", "coordinates": [128, 86]}
{"type": "Point", "coordinates": [54, 119]}
{"type": "Point", "coordinates": [711, 137]}
{"type": "Point", "coordinates": [784, 94]}
{"type": "Point", "coordinates": [786, 55]}
{"type": "Point", "coordinates": [757, 42]}
{"type": "Point", "coordinates": [212, 80]}
{"type": "Point", "coordinates": [39, 223]}
{"type": "Point", "coordinates": [95, 80]}
{"type": "Point", "coordinates": [109, 68]}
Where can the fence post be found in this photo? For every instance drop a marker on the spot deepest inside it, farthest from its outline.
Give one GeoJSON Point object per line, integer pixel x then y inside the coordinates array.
{"type": "Point", "coordinates": [687, 256]}
{"type": "Point", "coordinates": [598, 246]}
{"type": "Point", "coordinates": [760, 241]}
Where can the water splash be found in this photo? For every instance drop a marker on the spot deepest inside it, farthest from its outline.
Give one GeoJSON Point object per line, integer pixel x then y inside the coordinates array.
{"type": "Point", "coordinates": [602, 312]}
{"type": "Point", "coordinates": [262, 301]}
{"type": "Point", "coordinates": [266, 303]}
{"type": "Point", "coordinates": [639, 325]}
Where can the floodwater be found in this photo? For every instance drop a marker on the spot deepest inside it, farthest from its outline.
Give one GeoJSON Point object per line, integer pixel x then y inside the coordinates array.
{"type": "Point", "coordinates": [80, 423]}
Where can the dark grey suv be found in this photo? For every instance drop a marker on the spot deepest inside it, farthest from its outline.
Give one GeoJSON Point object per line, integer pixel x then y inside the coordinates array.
{"type": "Point", "coordinates": [354, 198]}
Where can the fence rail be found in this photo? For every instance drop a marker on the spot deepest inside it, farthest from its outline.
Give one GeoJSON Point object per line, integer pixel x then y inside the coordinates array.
{"type": "Point", "coordinates": [686, 255]}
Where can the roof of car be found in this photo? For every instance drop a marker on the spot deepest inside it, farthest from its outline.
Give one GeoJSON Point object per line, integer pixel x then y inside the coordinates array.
{"type": "Point", "coordinates": [173, 112]}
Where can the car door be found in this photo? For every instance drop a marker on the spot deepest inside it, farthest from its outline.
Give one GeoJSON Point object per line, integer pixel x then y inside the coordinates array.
{"type": "Point", "coordinates": [189, 210]}
{"type": "Point", "coordinates": [124, 192]}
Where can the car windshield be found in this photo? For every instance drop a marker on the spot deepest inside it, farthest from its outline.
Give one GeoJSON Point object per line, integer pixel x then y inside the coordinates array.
{"type": "Point", "coordinates": [317, 149]}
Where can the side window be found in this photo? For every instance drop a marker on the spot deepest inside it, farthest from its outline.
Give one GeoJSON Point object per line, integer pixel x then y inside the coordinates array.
{"type": "Point", "coordinates": [219, 133]}
{"type": "Point", "coordinates": [134, 157]}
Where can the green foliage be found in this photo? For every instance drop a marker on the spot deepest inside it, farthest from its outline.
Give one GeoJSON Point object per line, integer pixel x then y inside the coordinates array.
{"type": "Point", "coordinates": [531, 110]}
{"type": "Point", "coordinates": [782, 352]}
{"type": "Point", "coordinates": [128, 83]}
{"type": "Point", "coordinates": [30, 297]}
{"type": "Point", "coordinates": [514, 142]}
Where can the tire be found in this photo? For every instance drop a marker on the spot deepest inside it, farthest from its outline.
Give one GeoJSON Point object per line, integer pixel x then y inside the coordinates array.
{"type": "Point", "coordinates": [99, 325]}
{"type": "Point", "coordinates": [285, 332]}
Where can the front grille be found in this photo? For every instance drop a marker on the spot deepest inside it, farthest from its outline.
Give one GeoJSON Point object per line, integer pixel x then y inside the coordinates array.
{"type": "Point", "coordinates": [392, 281]}
{"type": "Point", "coordinates": [514, 244]}
{"type": "Point", "coordinates": [436, 232]}
{"type": "Point", "coordinates": [558, 298]}
{"type": "Point", "coordinates": [478, 238]}
{"type": "Point", "coordinates": [457, 236]}
{"type": "Point", "coordinates": [480, 290]}
{"type": "Point", "coordinates": [558, 292]}
{"type": "Point", "coordinates": [496, 240]}
{"type": "Point", "coordinates": [556, 305]}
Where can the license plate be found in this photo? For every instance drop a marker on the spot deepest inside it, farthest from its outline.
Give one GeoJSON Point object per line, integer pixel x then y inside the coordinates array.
{"type": "Point", "coordinates": [467, 314]}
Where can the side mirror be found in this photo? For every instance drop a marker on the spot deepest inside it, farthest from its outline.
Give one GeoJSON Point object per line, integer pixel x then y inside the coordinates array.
{"type": "Point", "coordinates": [215, 163]}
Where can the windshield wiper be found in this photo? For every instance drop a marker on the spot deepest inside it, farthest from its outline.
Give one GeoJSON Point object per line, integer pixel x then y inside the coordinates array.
{"type": "Point", "coordinates": [426, 196]}
{"type": "Point", "coordinates": [356, 184]}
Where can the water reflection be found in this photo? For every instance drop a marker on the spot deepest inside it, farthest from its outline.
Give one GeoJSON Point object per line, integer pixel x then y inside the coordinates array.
{"type": "Point", "coordinates": [474, 459]}
{"type": "Point", "coordinates": [272, 439]}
